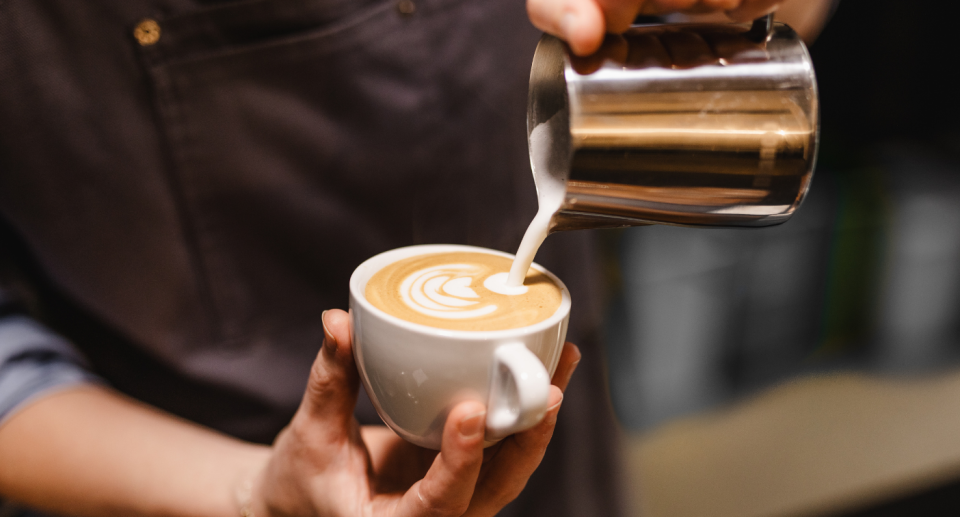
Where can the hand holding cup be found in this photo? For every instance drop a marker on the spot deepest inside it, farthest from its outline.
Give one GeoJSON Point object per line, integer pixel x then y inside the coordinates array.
{"type": "Point", "coordinates": [323, 463]}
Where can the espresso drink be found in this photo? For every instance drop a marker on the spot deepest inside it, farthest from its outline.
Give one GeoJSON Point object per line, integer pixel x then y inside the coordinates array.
{"type": "Point", "coordinates": [462, 291]}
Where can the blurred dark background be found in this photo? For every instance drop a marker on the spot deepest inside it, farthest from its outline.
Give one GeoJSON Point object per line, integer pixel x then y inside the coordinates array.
{"type": "Point", "coordinates": [864, 280]}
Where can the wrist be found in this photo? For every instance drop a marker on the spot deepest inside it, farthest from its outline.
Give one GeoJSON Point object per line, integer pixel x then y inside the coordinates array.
{"type": "Point", "coordinates": [246, 488]}
{"type": "Point", "coordinates": [244, 498]}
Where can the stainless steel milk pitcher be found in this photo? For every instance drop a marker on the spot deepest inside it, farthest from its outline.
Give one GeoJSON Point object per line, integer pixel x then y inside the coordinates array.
{"type": "Point", "coordinates": [693, 125]}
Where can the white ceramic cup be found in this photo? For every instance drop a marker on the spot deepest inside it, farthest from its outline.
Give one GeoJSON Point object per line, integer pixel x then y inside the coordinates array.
{"type": "Point", "coordinates": [415, 374]}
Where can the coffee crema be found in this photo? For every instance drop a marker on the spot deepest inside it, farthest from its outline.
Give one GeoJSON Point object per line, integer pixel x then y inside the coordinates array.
{"type": "Point", "coordinates": [462, 291]}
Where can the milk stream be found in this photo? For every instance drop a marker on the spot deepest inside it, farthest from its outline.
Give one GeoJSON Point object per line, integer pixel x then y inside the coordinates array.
{"type": "Point", "coordinates": [551, 188]}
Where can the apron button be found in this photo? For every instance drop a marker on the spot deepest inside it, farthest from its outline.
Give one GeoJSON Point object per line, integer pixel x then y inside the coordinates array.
{"type": "Point", "coordinates": [147, 32]}
{"type": "Point", "coordinates": [406, 7]}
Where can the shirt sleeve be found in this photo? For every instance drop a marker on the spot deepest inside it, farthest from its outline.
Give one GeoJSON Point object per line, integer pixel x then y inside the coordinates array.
{"type": "Point", "coordinates": [35, 361]}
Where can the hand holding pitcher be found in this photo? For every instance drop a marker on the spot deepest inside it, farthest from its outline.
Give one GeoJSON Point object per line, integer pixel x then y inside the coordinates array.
{"type": "Point", "coordinates": [582, 23]}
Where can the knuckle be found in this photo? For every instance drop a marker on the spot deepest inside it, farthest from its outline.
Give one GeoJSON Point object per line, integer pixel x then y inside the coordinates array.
{"type": "Point", "coordinates": [315, 391]}
{"type": "Point", "coordinates": [318, 385]}
{"type": "Point", "coordinates": [464, 463]}
{"type": "Point", "coordinates": [437, 507]}
{"type": "Point", "coordinates": [458, 458]}
{"type": "Point", "coordinates": [299, 434]}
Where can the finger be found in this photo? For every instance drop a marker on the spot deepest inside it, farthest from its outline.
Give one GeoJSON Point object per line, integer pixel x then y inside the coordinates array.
{"type": "Point", "coordinates": [580, 23]}
{"type": "Point", "coordinates": [652, 7]}
{"type": "Point", "coordinates": [396, 463]}
{"type": "Point", "coordinates": [619, 14]}
{"type": "Point", "coordinates": [614, 48]}
{"type": "Point", "coordinates": [506, 473]}
{"type": "Point", "coordinates": [753, 9]}
{"type": "Point", "coordinates": [720, 5]}
{"type": "Point", "coordinates": [569, 359]}
{"type": "Point", "coordinates": [331, 392]}
{"type": "Point", "coordinates": [448, 486]}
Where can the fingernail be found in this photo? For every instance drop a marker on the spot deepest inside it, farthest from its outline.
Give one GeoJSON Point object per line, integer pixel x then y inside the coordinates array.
{"type": "Point", "coordinates": [328, 340]}
{"type": "Point", "coordinates": [567, 24]}
{"type": "Point", "coordinates": [553, 411]}
{"type": "Point", "coordinates": [472, 425]}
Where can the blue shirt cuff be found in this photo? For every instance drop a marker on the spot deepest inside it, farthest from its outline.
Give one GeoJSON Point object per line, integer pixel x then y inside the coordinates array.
{"type": "Point", "coordinates": [34, 362]}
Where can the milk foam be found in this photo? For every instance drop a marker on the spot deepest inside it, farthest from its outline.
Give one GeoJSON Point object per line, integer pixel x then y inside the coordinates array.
{"type": "Point", "coordinates": [498, 284]}
{"type": "Point", "coordinates": [549, 176]}
{"type": "Point", "coordinates": [422, 292]}
{"type": "Point", "coordinates": [462, 291]}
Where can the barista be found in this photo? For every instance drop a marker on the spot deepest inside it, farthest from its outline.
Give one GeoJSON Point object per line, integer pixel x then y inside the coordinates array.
{"type": "Point", "coordinates": [185, 186]}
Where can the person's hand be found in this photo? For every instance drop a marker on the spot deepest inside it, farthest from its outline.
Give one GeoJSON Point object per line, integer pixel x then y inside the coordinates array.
{"type": "Point", "coordinates": [583, 23]}
{"type": "Point", "coordinates": [323, 463]}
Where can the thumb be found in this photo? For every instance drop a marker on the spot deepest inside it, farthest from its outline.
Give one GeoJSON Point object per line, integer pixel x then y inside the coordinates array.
{"type": "Point", "coordinates": [580, 23]}
{"type": "Point", "coordinates": [331, 393]}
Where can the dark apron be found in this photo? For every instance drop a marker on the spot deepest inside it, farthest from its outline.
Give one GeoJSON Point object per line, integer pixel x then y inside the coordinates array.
{"type": "Point", "coordinates": [192, 205]}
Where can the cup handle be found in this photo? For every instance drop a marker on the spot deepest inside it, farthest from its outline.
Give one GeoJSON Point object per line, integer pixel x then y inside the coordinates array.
{"type": "Point", "coordinates": [518, 391]}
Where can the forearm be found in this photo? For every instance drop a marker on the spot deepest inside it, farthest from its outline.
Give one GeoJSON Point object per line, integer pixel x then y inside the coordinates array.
{"type": "Point", "coordinates": [89, 451]}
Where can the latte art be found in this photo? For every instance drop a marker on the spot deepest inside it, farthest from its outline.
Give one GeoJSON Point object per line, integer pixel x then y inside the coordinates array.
{"type": "Point", "coordinates": [444, 292]}
{"type": "Point", "coordinates": [461, 291]}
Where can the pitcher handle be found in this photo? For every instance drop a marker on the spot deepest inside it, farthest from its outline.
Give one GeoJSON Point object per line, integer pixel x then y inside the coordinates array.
{"type": "Point", "coordinates": [762, 29]}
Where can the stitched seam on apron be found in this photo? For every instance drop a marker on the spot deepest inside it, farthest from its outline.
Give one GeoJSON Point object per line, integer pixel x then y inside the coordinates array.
{"type": "Point", "coordinates": [163, 98]}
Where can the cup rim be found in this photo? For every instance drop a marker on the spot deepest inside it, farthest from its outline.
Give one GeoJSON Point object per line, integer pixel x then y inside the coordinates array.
{"type": "Point", "coordinates": [357, 293]}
